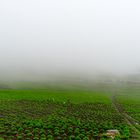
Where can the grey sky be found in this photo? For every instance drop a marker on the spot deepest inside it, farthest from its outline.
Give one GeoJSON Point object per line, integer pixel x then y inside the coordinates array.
{"type": "Point", "coordinates": [39, 36]}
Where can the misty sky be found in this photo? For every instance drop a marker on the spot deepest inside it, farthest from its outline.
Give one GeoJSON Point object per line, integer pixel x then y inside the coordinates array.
{"type": "Point", "coordinates": [87, 36]}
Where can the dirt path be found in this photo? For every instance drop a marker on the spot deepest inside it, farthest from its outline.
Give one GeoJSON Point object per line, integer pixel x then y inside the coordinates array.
{"type": "Point", "coordinates": [131, 122]}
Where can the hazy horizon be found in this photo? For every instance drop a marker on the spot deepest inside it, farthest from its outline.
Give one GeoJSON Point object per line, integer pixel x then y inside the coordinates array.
{"type": "Point", "coordinates": [77, 37]}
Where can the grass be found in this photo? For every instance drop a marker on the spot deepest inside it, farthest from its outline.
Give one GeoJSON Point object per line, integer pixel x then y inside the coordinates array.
{"type": "Point", "coordinates": [77, 92]}
{"type": "Point", "coordinates": [129, 98]}
{"type": "Point", "coordinates": [56, 95]}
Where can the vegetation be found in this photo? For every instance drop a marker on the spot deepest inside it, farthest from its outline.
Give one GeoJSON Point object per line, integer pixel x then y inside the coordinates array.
{"type": "Point", "coordinates": [59, 114]}
{"type": "Point", "coordinates": [129, 99]}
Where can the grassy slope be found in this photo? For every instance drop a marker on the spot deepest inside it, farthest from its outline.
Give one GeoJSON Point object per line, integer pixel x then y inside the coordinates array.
{"type": "Point", "coordinates": [129, 97]}
{"type": "Point", "coordinates": [58, 91]}
{"type": "Point", "coordinates": [74, 96]}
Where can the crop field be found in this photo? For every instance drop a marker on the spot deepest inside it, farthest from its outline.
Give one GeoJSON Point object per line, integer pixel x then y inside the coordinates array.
{"type": "Point", "coordinates": [129, 99]}
{"type": "Point", "coordinates": [131, 106]}
{"type": "Point", "coordinates": [64, 112]}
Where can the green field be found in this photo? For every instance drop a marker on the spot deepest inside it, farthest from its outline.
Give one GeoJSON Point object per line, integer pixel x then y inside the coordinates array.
{"type": "Point", "coordinates": [129, 98]}
{"type": "Point", "coordinates": [60, 111]}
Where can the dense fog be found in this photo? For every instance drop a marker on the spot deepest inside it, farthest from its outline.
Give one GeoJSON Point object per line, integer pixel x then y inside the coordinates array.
{"type": "Point", "coordinates": [39, 38]}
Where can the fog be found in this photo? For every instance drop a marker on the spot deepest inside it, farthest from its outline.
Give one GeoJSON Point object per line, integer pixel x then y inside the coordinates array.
{"type": "Point", "coordinates": [56, 37]}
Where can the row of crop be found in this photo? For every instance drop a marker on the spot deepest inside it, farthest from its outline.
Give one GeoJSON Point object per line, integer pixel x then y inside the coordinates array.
{"type": "Point", "coordinates": [34, 120]}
